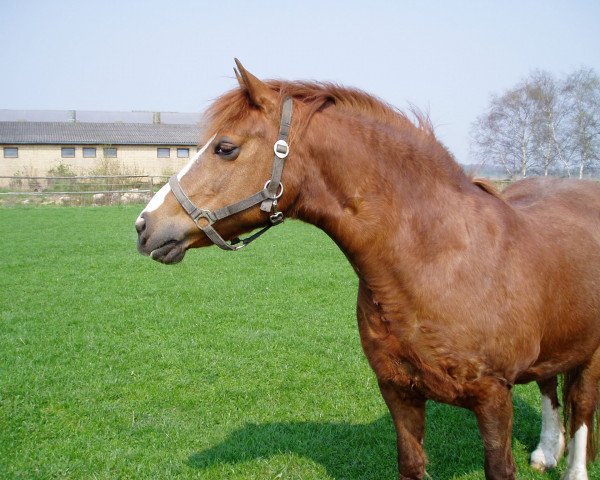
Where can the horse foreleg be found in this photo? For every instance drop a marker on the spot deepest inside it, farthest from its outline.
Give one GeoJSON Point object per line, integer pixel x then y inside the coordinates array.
{"type": "Point", "coordinates": [581, 387]}
{"type": "Point", "coordinates": [408, 414]}
{"type": "Point", "coordinates": [494, 411]}
{"type": "Point", "coordinates": [552, 439]}
{"type": "Point", "coordinates": [581, 400]}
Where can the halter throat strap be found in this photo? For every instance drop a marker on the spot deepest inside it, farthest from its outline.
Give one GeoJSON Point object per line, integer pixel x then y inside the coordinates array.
{"type": "Point", "coordinates": [267, 197]}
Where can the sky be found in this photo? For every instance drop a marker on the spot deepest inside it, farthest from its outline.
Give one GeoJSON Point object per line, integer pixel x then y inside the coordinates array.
{"type": "Point", "coordinates": [445, 57]}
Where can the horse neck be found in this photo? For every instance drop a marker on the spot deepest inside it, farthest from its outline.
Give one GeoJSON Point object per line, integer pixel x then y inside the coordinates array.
{"type": "Point", "coordinates": [390, 199]}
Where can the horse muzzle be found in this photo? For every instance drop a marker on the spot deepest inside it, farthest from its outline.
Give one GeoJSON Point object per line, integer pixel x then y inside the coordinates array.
{"type": "Point", "coordinates": [161, 245]}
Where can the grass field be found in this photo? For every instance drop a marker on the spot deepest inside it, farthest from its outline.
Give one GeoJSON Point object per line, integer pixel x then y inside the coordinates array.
{"type": "Point", "coordinates": [241, 365]}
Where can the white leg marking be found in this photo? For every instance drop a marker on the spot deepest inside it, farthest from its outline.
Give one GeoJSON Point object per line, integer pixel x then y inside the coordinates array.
{"type": "Point", "coordinates": [552, 439]}
{"type": "Point", "coordinates": [159, 197]}
{"type": "Point", "coordinates": [577, 455]}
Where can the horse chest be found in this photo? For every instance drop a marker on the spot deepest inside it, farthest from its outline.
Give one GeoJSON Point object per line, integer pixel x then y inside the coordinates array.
{"type": "Point", "coordinates": [408, 359]}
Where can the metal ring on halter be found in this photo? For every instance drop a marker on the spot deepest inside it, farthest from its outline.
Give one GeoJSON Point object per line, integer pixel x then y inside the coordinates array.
{"type": "Point", "coordinates": [279, 193]}
{"type": "Point", "coordinates": [281, 148]}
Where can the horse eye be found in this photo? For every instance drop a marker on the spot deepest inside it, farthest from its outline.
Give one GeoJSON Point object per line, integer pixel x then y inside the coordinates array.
{"type": "Point", "coordinates": [227, 150]}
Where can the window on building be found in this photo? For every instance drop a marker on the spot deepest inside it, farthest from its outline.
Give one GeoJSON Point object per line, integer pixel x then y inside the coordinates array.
{"type": "Point", "coordinates": [110, 152]}
{"type": "Point", "coordinates": [183, 152]}
{"type": "Point", "coordinates": [163, 152]}
{"type": "Point", "coordinates": [11, 152]}
{"type": "Point", "coordinates": [67, 152]}
{"type": "Point", "coordinates": [89, 152]}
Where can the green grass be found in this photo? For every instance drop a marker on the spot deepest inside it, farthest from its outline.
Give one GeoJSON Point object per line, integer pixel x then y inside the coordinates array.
{"type": "Point", "coordinates": [226, 366]}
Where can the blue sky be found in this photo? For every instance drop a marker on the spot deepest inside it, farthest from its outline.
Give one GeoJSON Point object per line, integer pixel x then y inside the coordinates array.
{"type": "Point", "coordinates": [445, 57]}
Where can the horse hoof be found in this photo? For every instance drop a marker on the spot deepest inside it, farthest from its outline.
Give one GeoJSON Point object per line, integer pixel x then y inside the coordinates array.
{"type": "Point", "coordinates": [539, 467]}
{"type": "Point", "coordinates": [542, 461]}
{"type": "Point", "coordinates": [548, 453]}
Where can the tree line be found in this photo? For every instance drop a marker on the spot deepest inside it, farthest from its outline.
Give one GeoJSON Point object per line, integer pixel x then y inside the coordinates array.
{"type": "Point", "coordinates": [545, 125]}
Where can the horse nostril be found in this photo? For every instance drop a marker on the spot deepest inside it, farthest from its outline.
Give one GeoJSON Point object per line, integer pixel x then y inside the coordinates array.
{"type": "Point", "coordinates": [140, 225]}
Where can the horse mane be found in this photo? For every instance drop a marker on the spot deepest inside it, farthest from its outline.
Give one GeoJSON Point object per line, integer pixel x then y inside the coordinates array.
{"type": "Point", "coordinates": [356, 101]}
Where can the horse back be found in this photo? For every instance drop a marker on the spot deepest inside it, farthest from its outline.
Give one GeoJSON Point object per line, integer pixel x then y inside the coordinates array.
{"type": "Point", "coordinates": [566, 193]}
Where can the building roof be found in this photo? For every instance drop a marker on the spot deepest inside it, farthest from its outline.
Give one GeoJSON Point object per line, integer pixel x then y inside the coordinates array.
{"type": "Point", "coordinates": [98, 116]}
{"type": "Point", "coordinates": [84, 133]}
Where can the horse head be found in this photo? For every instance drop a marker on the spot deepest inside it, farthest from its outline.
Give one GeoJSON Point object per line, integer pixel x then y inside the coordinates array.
{"type": "Point", "coordinates": [231, 182]}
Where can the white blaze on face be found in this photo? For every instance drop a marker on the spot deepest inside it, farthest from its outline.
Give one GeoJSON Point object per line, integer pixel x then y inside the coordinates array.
{"type": "Point", "coordinates": [189, 165]}
{"type": "Point", "coordinates": [159, 197]}
{"type": "Point", "coordinates": [552, 440]}
{"type": "Point", "coordinates": [577, 455]}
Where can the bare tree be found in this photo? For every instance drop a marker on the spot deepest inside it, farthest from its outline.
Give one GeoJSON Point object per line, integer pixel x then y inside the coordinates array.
{"type": "Point", "coordinates": [504, 135]}
{"type": "Point", "coordinates": [582, 92]}
{"type": "Point", "coordinates": [543, 125]}
{"type": "Point", "coordinates": [548, 123]}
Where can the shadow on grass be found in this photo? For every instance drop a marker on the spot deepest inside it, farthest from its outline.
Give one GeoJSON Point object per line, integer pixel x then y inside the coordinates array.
{"type": "Point", "coordinates": [366, 451]}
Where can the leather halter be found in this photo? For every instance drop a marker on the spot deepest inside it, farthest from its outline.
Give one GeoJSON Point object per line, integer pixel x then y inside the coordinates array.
{"type": "Point", "coordinates": [267, 197]}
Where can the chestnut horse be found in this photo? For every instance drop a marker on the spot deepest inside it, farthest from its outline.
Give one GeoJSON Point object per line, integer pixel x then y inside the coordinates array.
{"type": "Point", "coordinates": [463, 291]}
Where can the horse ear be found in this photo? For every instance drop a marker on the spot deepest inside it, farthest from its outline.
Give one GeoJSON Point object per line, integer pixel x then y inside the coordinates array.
{"type": "Point", "coordinates": [259, 92]}
{"type": "Point", "coordinates": [239, 77]}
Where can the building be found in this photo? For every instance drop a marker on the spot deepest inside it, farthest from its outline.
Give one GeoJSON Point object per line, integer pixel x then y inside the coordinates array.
{"type": "Point", "coordinates": [33, 143]}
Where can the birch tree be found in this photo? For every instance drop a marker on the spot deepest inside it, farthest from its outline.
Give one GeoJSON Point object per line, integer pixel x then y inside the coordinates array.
{"type": "Point", "coordinates": [582, 92]}
{"type": "Point", "coordinates": [549, 123]}
{"type": "Point", "coordinates": [542, 126]}
{"type": "Point", "coordinates": [504, 134]}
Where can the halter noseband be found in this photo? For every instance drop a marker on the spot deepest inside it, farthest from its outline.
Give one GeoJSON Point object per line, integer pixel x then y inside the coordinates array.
{"type": "Point", "coordinates": [267, 197]}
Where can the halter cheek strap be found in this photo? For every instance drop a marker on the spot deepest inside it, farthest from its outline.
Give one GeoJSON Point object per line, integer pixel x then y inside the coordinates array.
{"type": "Point", "coordinates": [267, 197]}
